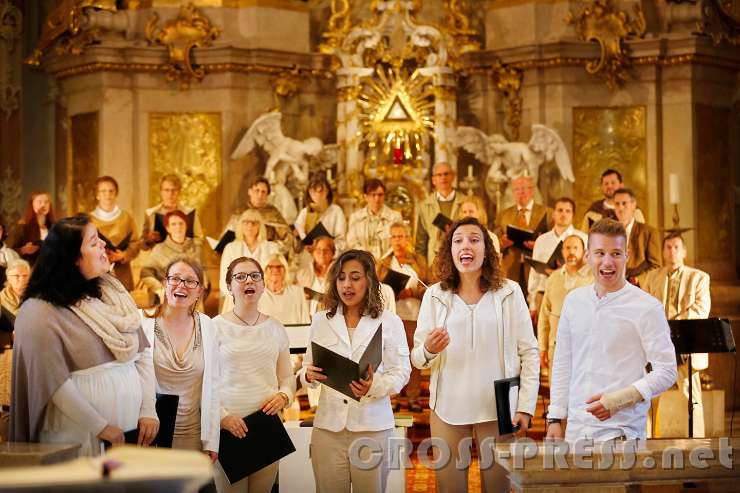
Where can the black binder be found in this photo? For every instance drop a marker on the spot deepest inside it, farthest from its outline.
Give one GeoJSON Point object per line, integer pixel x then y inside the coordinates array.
{"type": "Point", "coordinates": [554, 262]}
{"type": "Point", "coordinates": [166, 407]}
{"type": "Point", "coordinates": [227, 237]}
{"type": "Point", "coordinates": [396, 280]}
{"type": "Point", "coordinates": [317, 232]}
{"type": "Point", "coordinates": [442, 222]}
{"type": "Point", "coordinates": [340, 371]}
{"type": "Point", "coordinates": [122, 246]}
{"type": "Point", "coordinates": [265, 443]}
{"type": "Point", "coordinates": [502, 390]}
{"type": "Point", "coordinates": [519, 236]}
{"type": "Point", "coordinates": [312, 294]}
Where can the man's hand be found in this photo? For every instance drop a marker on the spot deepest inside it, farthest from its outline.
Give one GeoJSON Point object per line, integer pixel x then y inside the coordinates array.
{"type": "Point", "coordinates": [597, 408]}
{"type": "Point", "coordinates": [112, 434]}
{"type": "Point", "coordinates": [505, 242]}
{"type": "Point", "coordinates": [555, 432]}
{"type": "Point", "coordinates": [529, 244]}
{"type": "Point", "coordinates": [523, 420]}
{"type": "Point", "coordinates": [115, 256]}
{"type": "Point", "coordinates": [148, 429]}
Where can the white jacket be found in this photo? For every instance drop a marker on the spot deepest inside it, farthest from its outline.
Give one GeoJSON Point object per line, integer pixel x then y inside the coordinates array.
{"type": "Point", "coordinates": [517, 344]}
{"type": "Point", "coordinates": [336, 411]}
{"type": "Point", "coordinates": [210, 420]}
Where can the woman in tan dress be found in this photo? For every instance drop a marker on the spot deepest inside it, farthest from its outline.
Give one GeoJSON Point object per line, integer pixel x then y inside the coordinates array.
{"type": "Point", "coordinates": [181, 338]}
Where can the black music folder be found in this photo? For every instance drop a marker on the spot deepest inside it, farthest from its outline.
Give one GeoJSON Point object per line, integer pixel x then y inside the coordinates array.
{"type": "Point", "coordinates": [519, 236]}
{"type": "Point", "coordinates": [396, 280]}
{"type": "Point", "coordinates": [340, 371]}
{"type": "Point", "coordinates": [122, 246]}
{"type": "Point", "coordinates": [166, 407]}
{"type": "Point", "coordinates": [226, 237]}
{"type": "Point", "coordinates": [266, 442]}
{"type": "Point", "coordinates": [318, 231]}
{"type": "Point", "coordinates": [507, 398]}
{"type": "Point", "coordinates": [555, 261]}
{"type": "Point", "coordinates": [442, 222]}
{"type": "Point", "coordinates": [313, 294]}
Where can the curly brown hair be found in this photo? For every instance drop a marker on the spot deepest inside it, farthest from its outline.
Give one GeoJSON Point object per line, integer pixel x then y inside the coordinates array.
{"type": "Point", "coordinates": [373, 299]}
{"type": "Point", "coordinates": [491, 277]}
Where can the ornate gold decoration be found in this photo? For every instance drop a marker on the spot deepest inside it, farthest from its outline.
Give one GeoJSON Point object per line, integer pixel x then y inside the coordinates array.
{"type": "Point", "coordinates": [508, 80]}
{"type": "Point", "coordinates": [602, 23]}
{"type": "Point", "coordinates": [189, 30]}
{"type": "Point", "coordinates": [11, 202]}
{"type": "Point", "coordinates": [337, 27]}
{"type": "Point", "coordinates": [11, 25]}
{"type": "Point", "coordinates": [458, 26]}
{"type": "Point", "coordinates": [720, 20]}
{"type": "Point", "coordinates": [83, 159]}
{"type": "Point", "coordinates": [189, 145]}
{"type": "Point", "coordinates": [65, 25]}
{"type": "Point", "coordinates": [286, 85]}
{"type": "Point", "coordinates": [609, 138]}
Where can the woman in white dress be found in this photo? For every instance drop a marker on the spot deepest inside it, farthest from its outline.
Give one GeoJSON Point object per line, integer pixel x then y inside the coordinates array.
{"type": "Point", "coordinates": [354, 313]}
{"type": "Point", "coordinates": [320, 208]}
{"type": "Point", "coordinates": [82, 366]}
{"type": "Point", "coordinates": [182, 339]}
{"type": "Point", "coordinates": [281, 300]}
{"type": "Point", "coordinates": [254, 369]}
{"type": "Point", "coordinates": [250, 242]}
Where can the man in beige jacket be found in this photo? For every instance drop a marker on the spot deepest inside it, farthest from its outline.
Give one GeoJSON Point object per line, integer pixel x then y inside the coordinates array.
{"type": "Point", "coordinates": [684, 292]}
{"type": "Point", "coordinates": [574, 274]}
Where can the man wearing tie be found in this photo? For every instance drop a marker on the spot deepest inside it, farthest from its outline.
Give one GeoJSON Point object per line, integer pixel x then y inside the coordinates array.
{"type": "Point", "coordinates": [643, 245]}
{"type": "Point", "coordinates": [525, 214]}
{"type": "Point", "coordinates": [684, 292]}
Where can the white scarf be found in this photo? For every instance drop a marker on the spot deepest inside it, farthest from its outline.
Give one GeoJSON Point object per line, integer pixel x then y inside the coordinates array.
{"type": "Point", "coordinates": [114, 318]}
{"type": "Point", "coordinates": [107, 216]}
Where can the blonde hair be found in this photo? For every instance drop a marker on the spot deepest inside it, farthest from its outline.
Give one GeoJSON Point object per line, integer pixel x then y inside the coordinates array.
{"type": "Point", "coordinates": [250, 215]}
{"type": "Point", "coordinates": [472, 199]}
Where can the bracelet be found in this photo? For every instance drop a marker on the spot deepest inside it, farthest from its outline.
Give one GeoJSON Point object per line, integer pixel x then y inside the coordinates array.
{"type": "Point", "coordinates": [550, 421]}
{"type": "Point", "coordinates": [284, 396]}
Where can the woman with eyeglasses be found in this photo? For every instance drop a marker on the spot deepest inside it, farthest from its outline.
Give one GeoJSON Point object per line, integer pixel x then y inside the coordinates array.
{"type": "Point", "coordinates": [254, 373]}
{"type": "Point", "coordinates": [473, 328]}
{"type": "Point", "coordinates": [354, 312]}
{"type": "Point", "coordinates": [182, 341]}
{"type": "Point", "coordinates": [18, 273]}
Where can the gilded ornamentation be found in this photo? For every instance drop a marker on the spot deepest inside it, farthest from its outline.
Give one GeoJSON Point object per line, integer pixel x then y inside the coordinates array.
{"type": "Point", "coordinates": [337, 28]}
{"type": "Point", "coordinates": [181, 35]}
{"type": "Point", "coordinates": [11, 24]}
{"type": "Point", "coordinates": [83, 161]}
{"type": "Point", "coordinates": [602, 23]}
{"type": "Point", "coordinates": [720, 20]}
{"type": "Point", "coordinates": [458, 26]}
{"type": "Point", "coordinates": [65, 27]}
{"type": "Point", "coordinates": [508, 80]}
{"type": "Point", "coordinates": [189, 145]}
{"type": "Point", "coordinates": [286, 85]}
{"type": "Point", "coordinates": [10, 196]}
{"type": "Point", "coordinates": [609, 138]}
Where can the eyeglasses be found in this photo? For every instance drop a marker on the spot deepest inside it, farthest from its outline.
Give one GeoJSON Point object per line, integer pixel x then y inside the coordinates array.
{"type": "Point", "coordinates": [242, 277]}
{"type": "Point", "coordinates": [175, 281]}
{"type": "Point", "coordinates": [19, 276]}
{"type": "Point", "coordinates": [443, 173]}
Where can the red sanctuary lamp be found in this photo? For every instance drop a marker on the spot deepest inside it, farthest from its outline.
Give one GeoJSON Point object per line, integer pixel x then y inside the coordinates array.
{"type": "Point", "coordinates": [397, 156]}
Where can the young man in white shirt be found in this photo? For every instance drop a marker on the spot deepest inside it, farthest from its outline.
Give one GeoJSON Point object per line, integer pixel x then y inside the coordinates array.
{"type": "Point", "coordinates": [370, 227]}
{"type": "Point", "coordinates": [608, 332]}
{"type": "Point", "coordinates": [545, 245]}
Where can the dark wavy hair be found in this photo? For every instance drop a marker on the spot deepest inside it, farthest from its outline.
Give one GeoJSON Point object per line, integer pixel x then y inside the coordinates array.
{"type": "Point", "coordinates": [56, 278]}
{"type": "Point", "coordinates": [373, 299]}
{"type": "Point", "coordinates": [491, 277]}
{"type": "Point", "coordinates": [318, 180]}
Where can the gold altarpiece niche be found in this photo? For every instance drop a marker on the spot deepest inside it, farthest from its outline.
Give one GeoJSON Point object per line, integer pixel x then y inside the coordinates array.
{"type": "Point", "coordinates": [189, 146]}
{"type": "Point", "coordinates": [609, 138]}
{"type": "Point", "coordinates": [82, 162]}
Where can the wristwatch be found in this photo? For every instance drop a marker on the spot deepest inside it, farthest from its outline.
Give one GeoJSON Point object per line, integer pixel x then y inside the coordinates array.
{"type": "Point", "coordinates": [550, 421]}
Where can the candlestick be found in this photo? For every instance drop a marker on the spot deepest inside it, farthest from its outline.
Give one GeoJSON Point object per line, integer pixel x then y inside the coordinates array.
{"type": "Point", "coordinates": [674, 190]}
{"type": "Point", "coordinates": [470, 171]}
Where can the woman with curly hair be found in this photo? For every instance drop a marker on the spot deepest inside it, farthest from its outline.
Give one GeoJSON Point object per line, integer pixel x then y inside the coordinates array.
{"type": "Point", "coordinates": [473, 328]}
{"type": "Point", "coordinates": [354, 311]}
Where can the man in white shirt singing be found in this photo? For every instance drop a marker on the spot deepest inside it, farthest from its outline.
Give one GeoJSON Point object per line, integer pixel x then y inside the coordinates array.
{"type": "Point", "coordinates": [545, 245]}
{"type": "Point", "coordinates": [608, 332]}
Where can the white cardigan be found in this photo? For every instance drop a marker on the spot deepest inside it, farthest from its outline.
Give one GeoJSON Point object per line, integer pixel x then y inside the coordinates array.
{"type": "Point", "coordinates": [517, 345]}
{"type": "Point", "coordinates": [210, 420]}
{"type": "Point", "coordinates": [336, 411]}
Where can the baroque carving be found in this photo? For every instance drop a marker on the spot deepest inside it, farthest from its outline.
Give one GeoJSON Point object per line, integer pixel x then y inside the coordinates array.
{"type": "Point", "coordinates": [720, 20]}
{"type": "Point", "coordinates": [286, 85]}
{"type": "Point", "coordinates": [508, 81]}
{"type": "Point", "coordinates": [11, 202]}
{"type": "Point", "coordinates": [602, 23]}
{"type": "Point", "coordinates": [66, 27]}
{"type": "Point", "coordinates": [190, 29]}
{"type": "Point", "coordinates": [11, 23]}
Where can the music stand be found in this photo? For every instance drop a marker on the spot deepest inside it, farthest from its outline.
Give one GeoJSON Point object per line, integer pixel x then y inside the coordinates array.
{"type": "Point", "coordinates": [706, 335]}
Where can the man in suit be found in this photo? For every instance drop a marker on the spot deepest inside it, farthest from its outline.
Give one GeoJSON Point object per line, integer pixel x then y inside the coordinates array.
{"type": "Point", "coordinates": [525, 214]}
{"type": "Point", "coordinates": [684, 292]}
{"type": "Point", "coordinates": [643, 244]}
{"type": "Point", "coordinates": [444, 200]}
{"type": "Point", "coordinates": [611, 181]}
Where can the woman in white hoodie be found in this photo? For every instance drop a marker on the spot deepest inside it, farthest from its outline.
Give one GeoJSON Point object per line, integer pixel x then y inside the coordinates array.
{"type": "Point", "coordinates": [473, 328]}
{"type": "Point", "coordinates": [354, 313]}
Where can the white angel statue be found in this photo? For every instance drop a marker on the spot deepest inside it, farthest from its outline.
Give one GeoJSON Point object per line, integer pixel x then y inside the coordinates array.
{"type": "Point", "coordinates": [509, 160]}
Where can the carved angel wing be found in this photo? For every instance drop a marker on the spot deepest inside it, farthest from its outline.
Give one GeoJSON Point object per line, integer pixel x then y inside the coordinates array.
{"type": "Point", "coordinates": [546, 142]}
{"type": "Point", "coordinates": [474, 141]}
{"type": "Point", "coordinates": [265, 132]}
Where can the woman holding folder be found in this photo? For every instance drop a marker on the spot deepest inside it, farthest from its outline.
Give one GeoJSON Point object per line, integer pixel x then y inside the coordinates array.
{"type": "Point", "coordinates": [360, 409]}
{"type": "Point", "coordinates": [182, 342]}
{"type": "Point", "coordinates": [254, 371]}
{"type": "Point", "coordinates": [473, 329]}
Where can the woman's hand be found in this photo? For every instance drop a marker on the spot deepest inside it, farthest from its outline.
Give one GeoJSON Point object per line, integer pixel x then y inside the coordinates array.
{"type": "Point", "coordinates": [213, 455]}
{"type": "Point", "coordinates": [275, 404]}
{"type": "Point", "coordinates": [523, 420]}
{"type": "Point", "coordinates": [362, 387]}
{"type": "Point", "coordinates": [148, 429]}
{"type": "Point", "coordinates": [555, 432]}
{"type": "Point", "coordinates": [597, 408]}
{"type": "Point", "coordinates": [314, 373]}
{"type": "Point", "coordinates": [29, 249]}
{"type": "Point", "coordinates": [234, 425]}
{"type": "Point", "coordinates": [115, 255]}
{"type": "Point", "coordinates": [437, 340]}
{"type": "Point", "coordinates": [112, 434]}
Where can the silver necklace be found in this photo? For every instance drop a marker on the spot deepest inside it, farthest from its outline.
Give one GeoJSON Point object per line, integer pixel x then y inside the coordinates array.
{"type": "Point", "coordinates": [244, 321]}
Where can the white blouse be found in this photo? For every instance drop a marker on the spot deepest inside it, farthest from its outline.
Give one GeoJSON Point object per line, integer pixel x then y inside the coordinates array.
{"type": "Point", "coordinates": [289, 307]}
{"type": "Point", "coordinates": [333, 220]}
{"type": "Point", "coordinates": [254, 364]}
{"type": "Point", "coordinates": [239, 248]}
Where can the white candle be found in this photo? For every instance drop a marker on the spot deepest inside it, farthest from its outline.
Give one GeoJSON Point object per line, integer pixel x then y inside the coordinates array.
{"type": "Point", "coordinates": [673, 189]}
{"type": "Point", "coordinates": [470, 171]}
{"type": "Point", "coordinates": [328, 174]}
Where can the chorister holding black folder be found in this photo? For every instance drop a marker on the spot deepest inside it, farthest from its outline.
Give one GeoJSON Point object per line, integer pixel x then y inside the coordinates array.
{"type": "Point", "coordinates": [348, 334]}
